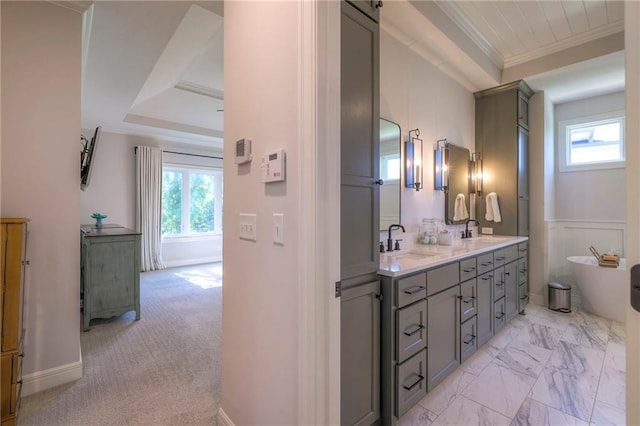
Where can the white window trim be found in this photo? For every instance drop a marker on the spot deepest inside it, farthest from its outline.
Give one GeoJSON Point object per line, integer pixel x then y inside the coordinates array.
{"type": "Point", "coordinates": [564, 147]}
{"type": "Point", "coordinates": [186, 234]}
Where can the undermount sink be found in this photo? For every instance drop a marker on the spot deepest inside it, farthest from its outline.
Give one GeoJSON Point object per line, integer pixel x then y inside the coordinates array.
{"type": "Point", "coordinates": [410, 255]}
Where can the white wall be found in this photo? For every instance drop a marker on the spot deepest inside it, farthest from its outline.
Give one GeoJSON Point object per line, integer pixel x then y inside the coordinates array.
{"type": "Point", "coordinates": [111, 191]}
{"type": "Point", "coordinates": [415, 94]}
{"type": "Point", "coordinates": [261, 280]}
{"type": "Point", "coordinates": [593, 194]}
{"type": "Point", "coordinates": [41, 54]}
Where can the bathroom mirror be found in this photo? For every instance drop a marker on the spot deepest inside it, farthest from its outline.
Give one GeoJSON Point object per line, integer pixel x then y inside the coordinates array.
{"type": "Point", "coordinates": [390, 173]}
{"type": "Point", "coordinates": [457, 203]}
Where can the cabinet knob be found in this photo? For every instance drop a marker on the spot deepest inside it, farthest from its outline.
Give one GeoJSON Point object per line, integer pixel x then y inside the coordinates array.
{"type": "Point", "coordinates": [378, 4]}
{"type": "Point", "coordinates": [379, 182]}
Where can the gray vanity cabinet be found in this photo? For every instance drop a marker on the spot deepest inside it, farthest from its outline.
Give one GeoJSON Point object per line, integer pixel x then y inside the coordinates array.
{"type": "Point", "coordinates": [443, 335]}
{"type": "Point", "coordinates": [502, 122]}
{"type": "Point", "coordinates": [359, 218]}
{"type": "Point", "coordinates": [485, 285]}
{"type": "Point", "coordinates": [360, 354]}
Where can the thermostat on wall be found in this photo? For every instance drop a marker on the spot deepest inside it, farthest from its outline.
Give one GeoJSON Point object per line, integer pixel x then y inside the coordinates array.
{"type": "Point", "coordinates": [243, 151]}
{"type": "Point", "coordinates": [273, 166]}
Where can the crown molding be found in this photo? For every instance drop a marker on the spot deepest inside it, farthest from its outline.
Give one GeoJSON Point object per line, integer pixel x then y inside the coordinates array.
{"type": "Point", "coordinates": [76, 6]}
{"type": "Point", "coordinates": [453, 12]}
{"type": "Point", "coordinates": [199, 89]}
{"type": "Point", "coordinates": [595, 34]}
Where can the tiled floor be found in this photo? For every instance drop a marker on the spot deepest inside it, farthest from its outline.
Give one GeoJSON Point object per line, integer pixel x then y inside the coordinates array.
{"type": "Point", "coordinates": [544, 368]}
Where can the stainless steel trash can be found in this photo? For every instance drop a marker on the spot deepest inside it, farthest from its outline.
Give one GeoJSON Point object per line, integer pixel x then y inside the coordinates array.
{"type": "Point", "coordinates": [560, 297]}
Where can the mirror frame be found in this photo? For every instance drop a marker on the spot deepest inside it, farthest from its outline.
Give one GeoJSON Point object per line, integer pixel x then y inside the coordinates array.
{"type": "Point", "coordinates": [385, 123]}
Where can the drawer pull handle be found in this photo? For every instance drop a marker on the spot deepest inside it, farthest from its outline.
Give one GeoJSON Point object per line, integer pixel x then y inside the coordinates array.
{"type": "Point", "coordinates": [415, 330]}
{"type": "Point", "coordinates": [486, 277]}
{"type": "Point", "coordinates": [499, 284]}
{"type": "Point", "coordinates": [507, 273]}
{"type": "Point", "coordinates": [500, 259]}
{"type": "Point", "coordinates": [524, 298]}
{"type": "Point", "coordinates": [501, 316]}
{"type": "Point", "coordinates": [487, 263]}
{"type": "Point", "coordinates": [522, 271]}
{"type": "Point", "coordinates": [471, 269]}
{"type": "Point", "coordinates": [413, 385]}
{"type": "Point", "coordinates": [467, 299]}
{"type": "Point", "coordinates": [414, 290]}
{"type": "Point", "coordinates": [470, 340]}
{"type": "Point", "coordinates": [522, 250]}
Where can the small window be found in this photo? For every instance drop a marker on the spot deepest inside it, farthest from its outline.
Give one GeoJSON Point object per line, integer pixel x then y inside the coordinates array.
{"type": "Point", "coordinates": [390, 167]}
{"type": "Point", "coordinates": [592, 143]}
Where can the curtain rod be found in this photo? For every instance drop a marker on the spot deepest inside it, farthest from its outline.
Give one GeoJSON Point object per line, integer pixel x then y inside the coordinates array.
{"type": "Point", "coordinates": [135, 149]}
{"type": "Point", "coordinates": [194, 155]}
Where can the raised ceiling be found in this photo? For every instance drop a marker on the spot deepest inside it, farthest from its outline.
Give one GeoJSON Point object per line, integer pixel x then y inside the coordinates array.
{"type": "Point", "coordinates": [155, 68]}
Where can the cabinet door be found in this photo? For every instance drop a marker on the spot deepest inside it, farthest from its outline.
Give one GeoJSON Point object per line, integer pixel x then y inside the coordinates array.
{"type": "Point", "coordinates": [499, 315]}
{"type": "Point", "coordinates": [412, 330]}
{"type": "Point", "coordinates": [523, 296]}
{"type": "Point", "coordinates": [498, 283]}
{"type": "Point", "coordinates": [13, 256]}
{"type": "Point", "coordinates": [511, 289]}
{"type": "Point", "coordinates": [468, 338]}
{"type": "Point", "coordinates": [369, 7]}
{"type": "Point", "coordinates": [443, 331]}
{"type": "Point", "coordinates": [360, 354]}
{"type": "Point", "coordinates": [485, 308]}
{"type": "Point", "coordinates": [359, 144]}
{"type": "Point", "coordinates": [523, 110]}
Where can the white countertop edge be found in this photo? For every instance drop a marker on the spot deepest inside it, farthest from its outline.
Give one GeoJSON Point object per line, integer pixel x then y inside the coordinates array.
{"type": "Point", "coordinates": [441, 255]}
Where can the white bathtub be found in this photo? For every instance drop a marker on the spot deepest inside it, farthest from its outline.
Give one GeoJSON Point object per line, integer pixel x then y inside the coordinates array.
{"type": "Point", "coordinates": [602, 289]}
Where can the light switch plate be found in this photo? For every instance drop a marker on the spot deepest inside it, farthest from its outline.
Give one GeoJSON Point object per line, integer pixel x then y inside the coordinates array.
{"type": "Point", "coordinates": [248, 226]}
{"type": "Point", "coordinates": [278, 228]}
{"type": "Point", "coordinates": [487, 231]}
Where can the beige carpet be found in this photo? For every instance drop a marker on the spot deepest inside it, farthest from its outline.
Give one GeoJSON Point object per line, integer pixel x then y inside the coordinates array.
{"type": "Point", "coordinates": [161, 370]}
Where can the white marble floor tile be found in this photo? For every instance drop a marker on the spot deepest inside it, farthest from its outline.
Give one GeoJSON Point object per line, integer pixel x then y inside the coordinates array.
{"type": "Point", "coordinates": [483, 356]}
{"type": "Point", "coordinates": [439, 398]}
{"type": "Point", "coordinates": [534, 413]}
{"type": "Point", "coordinates": [500, 389]}
{"type": "Point", "coordinates": [553, 319]}
{"type": "Point", "coordinates": [524, 358]}
{"type": "Point", "coordinates": [464, 411]}
{"type": "Point", "coordinates": [541, 335]}
{"type": "Point", "coordinates": [586, 335]}
{"type": "Point", "coordinates": [417, 416]}
{"type": "Point", "coordinates": [612, 386]}
{"type": "Point", "coordinates": [533, 309]}
{"type": "Point", "coordinates": [590, 320]}
{"type": "Point", "coordinates": [605, 414]}
{"type": "Point", "coordinates": [506, 335]}
{"type": "Point", "coordinates": [618, 333]}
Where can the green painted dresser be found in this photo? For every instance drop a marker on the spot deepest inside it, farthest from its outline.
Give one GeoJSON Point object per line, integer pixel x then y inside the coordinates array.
{"type": "Point", "coordinates": [110, 272]}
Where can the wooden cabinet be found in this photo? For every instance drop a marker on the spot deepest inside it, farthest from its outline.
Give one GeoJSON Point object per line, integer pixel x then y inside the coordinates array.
{"type": "Point", "coordinates": [502, 123]}
{"type": "Point", "coordinates": [443, 335]}
{"type": "Point", "coordinates": [359, 218]}
{"type": "Point", "coordinates": [511, 289]}
{"type": "Point", "coordinates": [110, 272]}
{"type": "Point", "coordinates": [13, 234]}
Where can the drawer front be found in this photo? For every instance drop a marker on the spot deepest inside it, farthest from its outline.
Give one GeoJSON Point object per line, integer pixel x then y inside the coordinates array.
{"type": "Point", "coordinates": [468, 269]}
{"type": "Point", "coordinates": [468, 300]}
{"type": "Point", "coordinates": [511, 254]}
{"type": "Point", "coordinates": [412, 330]}
{"type": "Point", "coordinates": [522, 270]}
{"type": "Point", "coordinates": [485, 263]}
{"type": "Point", "coordinates": [523, 296]}
{"type": "Point", "coordinates": [411, 382]}
{"type": "Point", "coordinates": [411, 289]}
{"type": "Point", "coordinates": [442, 278]}
{"type": "Point", "coordinates": [468, 338]}
{"type": "Point", "coordinates": [500, 315]}
{"type": "Point", "coordinates": [9, 388]}
{"type": "Point", "coordinates": [499, 257]}
{"type": "Point", "coordinates": [523, 249]}
{"type": "Point", "coordinates": [498, 283]}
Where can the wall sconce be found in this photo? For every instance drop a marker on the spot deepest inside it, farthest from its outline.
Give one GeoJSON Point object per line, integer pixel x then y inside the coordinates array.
{"type": "Point", "coordinates": [441, 165]}
{"type": "Point", "coordinates": [413, 161]}
{"type": "Point", "coordinates": [476, 173]}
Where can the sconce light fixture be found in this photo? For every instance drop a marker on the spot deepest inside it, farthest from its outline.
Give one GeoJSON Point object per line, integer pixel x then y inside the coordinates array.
{"type": "Point", "coordinates": [441, 165]}
{"type": "Point", "coordinates": [413, 161]}
{"type": "Point", "coordinates": [476, 173]}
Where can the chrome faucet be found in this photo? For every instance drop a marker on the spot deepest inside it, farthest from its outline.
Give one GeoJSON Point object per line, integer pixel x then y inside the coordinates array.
{"type": "Point", "coordinates": [467, 233]}
{"type": "Point", "coordinates": [390, 240]}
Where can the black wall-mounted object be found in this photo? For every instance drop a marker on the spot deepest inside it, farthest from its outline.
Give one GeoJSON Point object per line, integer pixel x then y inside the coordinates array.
{"type": "Point", "coordinates": [635, 287]}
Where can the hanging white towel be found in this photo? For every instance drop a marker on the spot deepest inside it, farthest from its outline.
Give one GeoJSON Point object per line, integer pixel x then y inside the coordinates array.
{"type": "Point", "coordinates": [460, 208]}
{"type": "Point", "coordinates": [493, 209]}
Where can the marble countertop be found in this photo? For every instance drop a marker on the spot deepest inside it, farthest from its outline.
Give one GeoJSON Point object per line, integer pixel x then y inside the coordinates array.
{"type": "Point", "coordinates": [420, 257]}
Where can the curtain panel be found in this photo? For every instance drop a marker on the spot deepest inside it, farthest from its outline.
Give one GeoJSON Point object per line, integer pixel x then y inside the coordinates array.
{"type": "Point", "coordinates": [149, 205]}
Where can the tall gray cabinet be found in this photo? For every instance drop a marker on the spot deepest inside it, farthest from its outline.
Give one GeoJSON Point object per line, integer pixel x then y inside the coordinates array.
{"type": "Point", "coordinates": [502, 137]}
{"type": "Point", "coordinates": [360, 285]}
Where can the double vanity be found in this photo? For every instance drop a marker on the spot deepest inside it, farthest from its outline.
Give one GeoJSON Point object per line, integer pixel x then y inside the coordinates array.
{"type": "Point", "coordinates": [439, 305]}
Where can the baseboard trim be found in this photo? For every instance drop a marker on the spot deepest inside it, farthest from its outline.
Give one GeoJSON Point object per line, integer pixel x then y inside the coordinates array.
{"type": "Point", "coordinates": [223, 419]}
{"type": "Point", "coordinates": [46, 379]}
